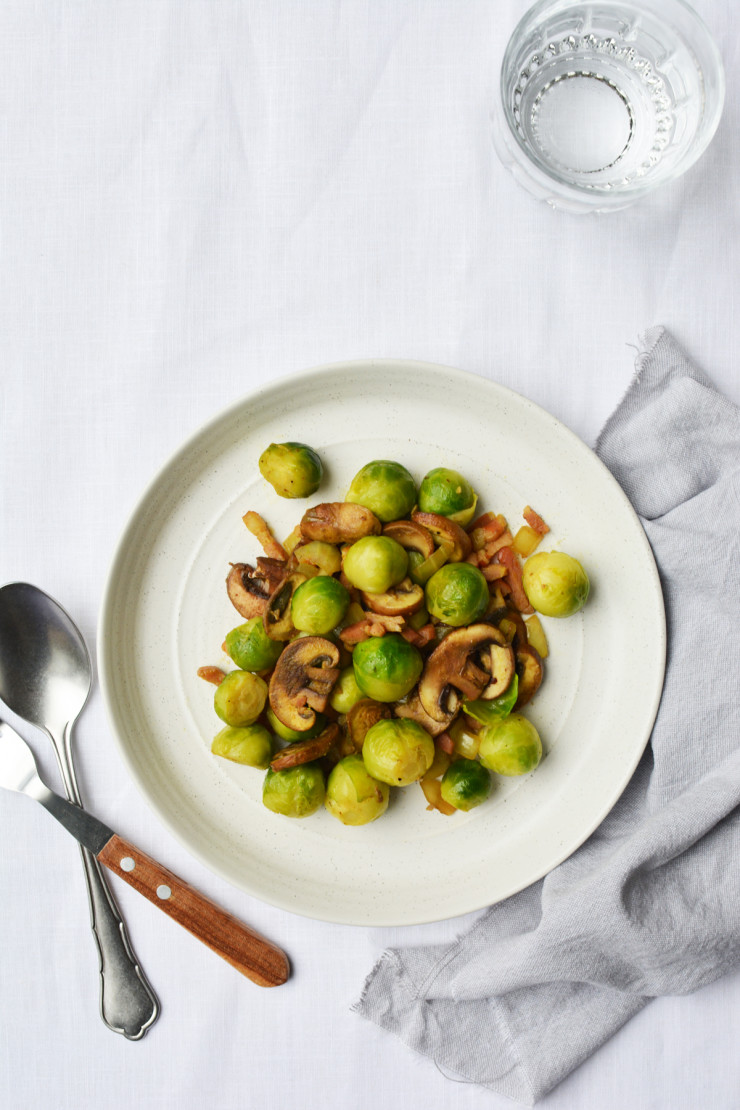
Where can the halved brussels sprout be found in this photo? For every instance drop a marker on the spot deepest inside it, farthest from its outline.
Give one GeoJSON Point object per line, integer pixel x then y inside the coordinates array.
{"type": "Point", "coordinates": [375, 563]}
{"type": "Point", "coordinates": [489, 712]}
{"type": "Point", "coordinates": [353, 796]}
{"type": "Point", "coordinates": [386, 667]}
{"type": "Point", "coordinates": [555, 583]}
{"type": "Point", "coordinates": [292, 469]}
{"type": "Point", "coordinates": [346, 693]}
{"type": "Point", "coordinates": [240, 698]}
{"type": "Point", "coordinates": [385, 488]}
{"type": "Point", "coordinates": [447, 493]}
{"type": "Point", "coordinates": [511, 747]}
{"type": "Point", "coordinates": [325, 556]}
{"type": "Point", "coordinates": [297, 792]}
{"type": "Point", "coordinates": [466, 784]}
{"type": "Point", "coordinates": [319, 604]}
{"type": "Point", "coordinates": [251, 746]}
{"type": "Point", "coordinates": [398, 751]}
{"type": "Point", "coordinates": [251, 648]}
{"type": "Point", "coordinates": [457, 594]}
{"type": "Point", "coordinates": [290, 734]}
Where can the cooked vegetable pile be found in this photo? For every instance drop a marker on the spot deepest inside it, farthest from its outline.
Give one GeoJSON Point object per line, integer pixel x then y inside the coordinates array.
{"type": "Point", "coordinates": [393, 638]}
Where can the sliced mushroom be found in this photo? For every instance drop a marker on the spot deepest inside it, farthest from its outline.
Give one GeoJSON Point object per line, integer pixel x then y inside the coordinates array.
{"type": "Point", "coordinates": [249, 589]}
{"type": "Point", "coordinates": [415, 711]}
{"type": "Point", "coordinates": [530, 671]}
{"type": "Point", "coordinates": [460, 667]}
{"type": "Point", "coordinates": [305, 751]}
{"type": "Point", "coordinates": [362, 716]}
{"type": "Point", "coordinates": [447, 534]}
{"type": "Point", "coordinates": [339, 522]}
{"type": "Point", "coordinates": [501, 666]}
{"type": "Point", "coordinates": [302, 681]}
{"type": "Point", "coordinates": [412, 536]}
{"type": "Point", "coordinates": [399, 601]}
{"type": "Point", "coordinates": [276, 618]}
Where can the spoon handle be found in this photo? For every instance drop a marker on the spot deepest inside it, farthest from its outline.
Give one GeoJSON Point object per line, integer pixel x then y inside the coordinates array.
{"type": "Point", "coordinates": [128, 1005]}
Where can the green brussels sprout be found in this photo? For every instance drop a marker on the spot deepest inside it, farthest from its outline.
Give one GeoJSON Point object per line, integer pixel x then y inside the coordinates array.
{"type": "Point", "coordinates": [251, 648]}
{"type": "Point", "coordinates": [457, 594]}
{"type": "Point", "coordinates": [297, 792]}
{"type": "Point", "coordinates": [292, 469]}
{"type": "Point", "coordinates": [489, 712]}
{"type": "Point", "coordinates": [319, 604]}
{"type": "Point", "coordinates": [251, 745]}
{"type": "Point", "coordinates": [316, 553]}
{"type": "Point", "coordinates": [386, 667]}
{"type": "Point", "coordinates": [290, 734]}
{"type": "Point", "coordinates": [346, 692]}
{"type": "Point", "coordinates": [510, 747]}
{"type": "Point", "coordinates": [555, 583]}
{"type": "Point", "coordinates": [240, 698]}
{"type": "Point", "coordinates": [352, 795]}
{"type": "Point", "coordinates": [465, 784]}
{"type": "Point", "coordinates": [385, 488]}
{"type": "Point", "coordinates": [447, 493]}
{"type": "Point", "coordinates": [398, 751]}
{"type": "Point", "coordinates": [375, 563]}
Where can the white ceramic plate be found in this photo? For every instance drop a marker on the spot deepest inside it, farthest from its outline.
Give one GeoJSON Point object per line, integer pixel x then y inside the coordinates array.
{"type": "Point", "coordinates": [165, 613]}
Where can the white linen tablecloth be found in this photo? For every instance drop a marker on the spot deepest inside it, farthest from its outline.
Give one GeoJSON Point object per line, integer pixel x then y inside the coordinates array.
{"type": "Point", "coordinates": [196, 198]}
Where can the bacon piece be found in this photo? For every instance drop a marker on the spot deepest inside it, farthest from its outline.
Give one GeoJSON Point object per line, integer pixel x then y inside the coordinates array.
{"type": "Point", "coordinates": [420, 637]}
{"type": "Point", "coordinates": [534, 520]}
{"type": "Point", "coordinates": [259, 528]}
{"type": "Point", "coordinates": [445, 743]}
{"type": "Point", "coordinates": [212, 674]}
{"type": "Point", "coordinates": [305, 751]}
{"type": "Point", "coordinates": [377, 625]}
{"type": "Point", "coordinates": [493, 572]}
{"type": "Point", "coordinates": [507, 558]}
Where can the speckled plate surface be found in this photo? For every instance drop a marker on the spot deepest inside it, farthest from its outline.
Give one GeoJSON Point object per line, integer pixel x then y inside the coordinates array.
{"type": "Point", "coordinates": [165, 613]}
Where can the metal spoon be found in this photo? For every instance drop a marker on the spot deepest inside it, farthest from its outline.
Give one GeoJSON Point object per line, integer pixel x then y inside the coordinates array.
{"type": "Point", "coordinates": [45, 678]}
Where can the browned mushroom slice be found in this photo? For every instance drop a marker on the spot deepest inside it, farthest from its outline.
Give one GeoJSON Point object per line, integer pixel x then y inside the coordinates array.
{"type": "Point", "coordinates": [415, 711]}
{"type": "Point", "coordinates": [276, 618]}
{"type": "Point", "coordinates": [362, 716]}
{"type": "Point", "coordinates": [399, 601]}
{"type": "Point", "coordinates": [530, 671]}
{"type": "Point", "coordinates": [500, 666]}
{"type": "Point", "coordinates": [305, 751]}
{"type": "Point", "coordinates": [339, 522]}
{"type": "Point", "coordinates": [412, 536]}
{"type": "Point", "coordinates": [459, 667]}
{"type": "Point", "coordinates": [302, 681]}
{"type": "Point", "coordinates": [248, 591]}
{"type": "Point", "coordinates": [446, 532]}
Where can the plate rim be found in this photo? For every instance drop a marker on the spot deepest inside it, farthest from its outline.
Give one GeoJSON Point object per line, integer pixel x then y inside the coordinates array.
{"type": "Point", "coordinates": [276, 384]}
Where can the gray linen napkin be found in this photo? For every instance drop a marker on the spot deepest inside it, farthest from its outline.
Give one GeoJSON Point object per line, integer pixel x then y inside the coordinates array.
{"type": "Point", "coordinates": [650, 904]}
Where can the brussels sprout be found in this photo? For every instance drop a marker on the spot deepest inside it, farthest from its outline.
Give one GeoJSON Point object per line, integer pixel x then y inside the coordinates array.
{"type": "Point", "coordinates": [510, 747]}
{"type": "Point", "coordinates": [386, 667]}
{"type": "Point", "coordinates": [352, 795]}
{"type": "Point", "coordinates": [447, 493]}
{"type": "Point", "coordinates": [292, 469]}
{"type": "Point", "coordinates": [398, 751]}
{"type": "Point", "coordinates": [251, 648]}
{"type": "Point", "coordinates": [555, 583]}
{"type": "Point", "coordinates": [290, 734]}
{"type": "Point", "coordinates": [489, 712]}
{"type": "Point", "coordinates": [466, 784]}
{"type": "Point", "coordinates": [319, 604]}
{"type": "Point", "coordinates": [375, 563]}
{"type": "Point", "coordinates": [251, 745]}
{"type": "Point", "coordinates": [297, 792]}
{"type": "Point", "coordinates": [385, 488]}
{"type": "Point", "coordinates": [325, 556]}
{"type": "Point", "coordinates": [457, 594]}
{"type": "Point", "coordinates": [240, 698]}
{"type": "Point", "coordinates": [346, 692]}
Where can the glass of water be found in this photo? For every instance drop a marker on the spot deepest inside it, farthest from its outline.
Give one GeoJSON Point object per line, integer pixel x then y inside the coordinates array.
{"type": "Point", "coordinates": [601, 102]}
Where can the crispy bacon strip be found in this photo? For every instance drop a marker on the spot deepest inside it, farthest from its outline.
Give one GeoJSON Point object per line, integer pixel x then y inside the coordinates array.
{"type": "Point", "coordinates": [305, 751]}
{"type": "Point", "coordinates": [534, 520]}
{"type": "Point", "coordinates": [212, 674]}
{"type": "Point", "coordinates": [377, 625]}
{"type": "Point", "coordinates": [486, 554]}
{"type": "Point", "coordinates": [507, 558]}
{"type": "Point", "coordinates": [420, 637]}
{"type": "Point", "coordinates": [259, 528]}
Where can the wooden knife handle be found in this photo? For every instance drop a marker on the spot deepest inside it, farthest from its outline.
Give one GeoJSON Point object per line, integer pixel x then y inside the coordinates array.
{"type": "Point", "coordinates": [260, 960]}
